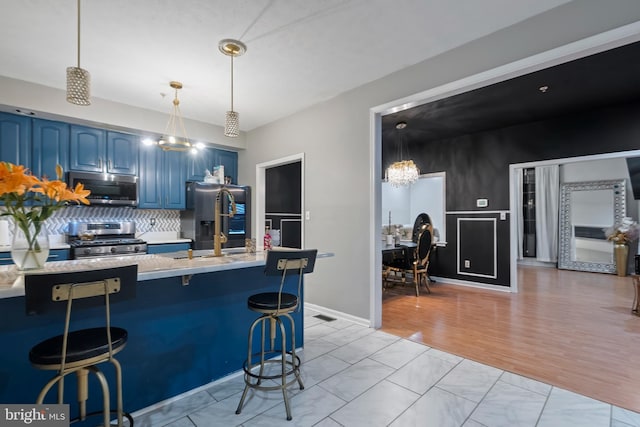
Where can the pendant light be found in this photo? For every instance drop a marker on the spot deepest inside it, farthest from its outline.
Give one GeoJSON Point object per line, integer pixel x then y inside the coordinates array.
{"type": "Point", "coordinates": [232, 48]}
{"type": "Point", "coordinates": [402, 172]}
{"type": "Point", "coordinates": [170, 141]}
{"type": "Point", "coordinates": [78, 79]}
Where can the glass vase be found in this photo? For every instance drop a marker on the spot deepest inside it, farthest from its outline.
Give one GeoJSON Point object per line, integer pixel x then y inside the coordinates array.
{"type": "Point", "coordinates": [30, 245]}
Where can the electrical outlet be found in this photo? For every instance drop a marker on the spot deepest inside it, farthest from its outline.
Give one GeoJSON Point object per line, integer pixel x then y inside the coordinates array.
{"type": "Point", "coordinates": [503, 216]}
{"type": "Point", "coordinates": [307, 215]}
{"type": "Point", "coordinates": [467, 263]}
{"type": "Point", "coordinates": [152, 222]}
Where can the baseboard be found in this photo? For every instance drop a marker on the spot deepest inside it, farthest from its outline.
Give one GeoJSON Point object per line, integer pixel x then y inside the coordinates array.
{"type": "Point", "coordinates": [534, 262]}
{"type": "Point", "coordinates": [338, 314]}
{"type": "Point", "coordinates": [469, 284]}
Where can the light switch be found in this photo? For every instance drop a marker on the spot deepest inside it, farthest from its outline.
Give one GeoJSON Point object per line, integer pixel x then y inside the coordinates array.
{"type": "Point", "coordinates": [307, 215]}
{"type": "Point", "coordinates": [482, 203]}
{"type": "Point", "coordinates": [503, 216]}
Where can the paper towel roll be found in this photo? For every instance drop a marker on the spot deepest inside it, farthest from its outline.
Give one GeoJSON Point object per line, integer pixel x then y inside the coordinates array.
{"type": "Point", "coordinates": [5, 237]}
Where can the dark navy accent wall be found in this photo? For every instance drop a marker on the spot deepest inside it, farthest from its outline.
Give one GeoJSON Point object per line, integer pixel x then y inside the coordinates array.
{"type": "Point", "coordinates": [477, 166]}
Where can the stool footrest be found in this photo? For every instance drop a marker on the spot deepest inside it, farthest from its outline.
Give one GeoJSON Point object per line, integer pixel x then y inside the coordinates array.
{"type": "Point", "coordinates": [294, 369]}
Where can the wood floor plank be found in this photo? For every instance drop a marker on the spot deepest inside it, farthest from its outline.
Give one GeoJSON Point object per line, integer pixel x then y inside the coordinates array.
{"type": "Point", "coordinates": [573, 330]}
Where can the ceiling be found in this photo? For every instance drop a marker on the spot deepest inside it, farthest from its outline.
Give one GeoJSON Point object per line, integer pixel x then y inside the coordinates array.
{"type": "Point", "coordinates": [299, 53]}
{"type": "Point", "coordinates": [606, 78]}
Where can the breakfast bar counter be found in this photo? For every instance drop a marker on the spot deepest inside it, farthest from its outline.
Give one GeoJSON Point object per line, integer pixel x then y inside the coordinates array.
{"type": "Point", "coordinates": [187, 325]}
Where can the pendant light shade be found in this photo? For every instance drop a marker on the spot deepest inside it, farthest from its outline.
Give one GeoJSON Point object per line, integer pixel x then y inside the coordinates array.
{"type": "Point", "coordinates": [232, 48]}
{"type": "Point", "coordinates": [78, 79]}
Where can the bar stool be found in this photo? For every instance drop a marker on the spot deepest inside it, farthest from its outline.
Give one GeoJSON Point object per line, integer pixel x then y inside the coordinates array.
{"type": "Point", "coordinates": [80, 351]}
{"type": "Point", "coordinates": [274, 307]}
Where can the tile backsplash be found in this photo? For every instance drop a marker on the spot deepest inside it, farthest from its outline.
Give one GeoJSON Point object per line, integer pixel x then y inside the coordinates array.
{"type": "Point", "coordinates": [165, 220]}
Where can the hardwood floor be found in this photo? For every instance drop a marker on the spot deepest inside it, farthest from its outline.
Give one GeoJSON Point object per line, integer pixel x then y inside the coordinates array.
{"type": "Point", "coordinates": [570, 329]}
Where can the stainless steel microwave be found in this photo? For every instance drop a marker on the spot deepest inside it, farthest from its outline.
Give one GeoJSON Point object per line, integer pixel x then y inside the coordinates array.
{"type": "Point", "coordinates": [107, 188]}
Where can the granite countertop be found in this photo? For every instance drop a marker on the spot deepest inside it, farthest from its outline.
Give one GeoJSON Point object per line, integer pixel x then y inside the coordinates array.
{"type": "Point", "coordinates": [154, 266]}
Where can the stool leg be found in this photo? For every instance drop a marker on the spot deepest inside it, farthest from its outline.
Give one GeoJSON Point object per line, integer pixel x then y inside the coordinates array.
{"type": "Point", "coordinates": [284, 367]}
{"type": "Point", "coordinates": [83, 392]}
{"type": "Point", "coordinates": [105, 393]}
{"type": "Point", "coordinates": [119, 404]}
{"type": "Point", "coordinates": [247, 378]}
{"type": "Point", "coordinates": [294, 358]}
{"type": "Point", "coordinates": [263, 321]}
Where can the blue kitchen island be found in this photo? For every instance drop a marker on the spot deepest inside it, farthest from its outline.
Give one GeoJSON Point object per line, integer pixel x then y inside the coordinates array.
{"type": "Point", "coordinates": [187, 326]}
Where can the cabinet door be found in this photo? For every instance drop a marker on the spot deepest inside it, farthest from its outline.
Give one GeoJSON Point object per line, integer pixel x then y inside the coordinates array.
{"type": "Point", "coordinates": [229, 159]}
{"type": "Point", "coordinates": [150, 183]}
{"type": "Point", "coordinates": [15, 139]}
{"type": "Point", "coordinates": [174, 177]}
{"type": "Point", "coordinates": [50, 147]}
{"type": "Point", "coordinates": [87, 149]}
{"type": "Point", "coordinates": [198, 162]}
{"type": "Point", "coordinates": [122, 153]}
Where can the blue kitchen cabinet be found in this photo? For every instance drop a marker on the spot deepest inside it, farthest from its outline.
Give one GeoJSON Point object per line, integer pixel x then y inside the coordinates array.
{"type": "Point", "coordinates": [174, 177]}
{"type": "Point", "coordinates": [150, 188]}
{"type": "Point", "coordinates": [229, 159]}
{"type": "Point", "coordinates": [50, 147]}
{"type": "Point", "coordinates": [15, 139]}
{"type": "Point", "coordinates": [167, 247]}
{"type": "Point", "coordinates": [122, 153]}
{"type": "Point", "coordinates": [87, 149]}
{"type": "Point", "coordinates": [162, 179]}
{"type": "Point", "coordinates": [198, 162]}
{"type": "Point", "coordinates": [96, 150]}
{"type": "Point", "coordinates": [54, 255]}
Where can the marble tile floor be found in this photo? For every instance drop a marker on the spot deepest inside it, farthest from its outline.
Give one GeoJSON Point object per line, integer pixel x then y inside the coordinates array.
{"type": "Point", "coordinates": [357, 376]}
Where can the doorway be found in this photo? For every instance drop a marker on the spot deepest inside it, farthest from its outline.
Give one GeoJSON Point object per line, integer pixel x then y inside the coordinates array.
{"type": "Point", "coordinates": [280, 201]}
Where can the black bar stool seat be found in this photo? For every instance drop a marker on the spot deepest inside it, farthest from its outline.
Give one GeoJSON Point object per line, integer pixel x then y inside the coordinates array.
{"type": "Point", "coordinates": [82, 345]}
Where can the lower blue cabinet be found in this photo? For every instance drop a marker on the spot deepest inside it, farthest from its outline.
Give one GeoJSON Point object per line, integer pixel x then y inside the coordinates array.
{"type": "Point", "coordinates": [167, 247]}
{"type": "Point", "coordinates": [54, 255]}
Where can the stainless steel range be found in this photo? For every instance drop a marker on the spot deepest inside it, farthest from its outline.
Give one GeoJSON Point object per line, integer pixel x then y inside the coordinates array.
{"type": "Point", "coordinates": [103, 239]}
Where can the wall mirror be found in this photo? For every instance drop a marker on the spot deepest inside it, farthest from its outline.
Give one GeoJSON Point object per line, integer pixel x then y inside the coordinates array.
{"type": "Point", "coordinates": [586, 209]}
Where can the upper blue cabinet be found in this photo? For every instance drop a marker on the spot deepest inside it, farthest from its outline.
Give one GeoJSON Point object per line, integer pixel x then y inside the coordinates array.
{"type": "Point", "coordinates": [96, 150]}
{"type": "Point", "coordinates": [50, 147]}
{"type": "Point", "coordinates": [208, 159]}
{"type": "Point", "coordinates": [162, 179]}
{"type": "Point", "coordinates": [15, 139]}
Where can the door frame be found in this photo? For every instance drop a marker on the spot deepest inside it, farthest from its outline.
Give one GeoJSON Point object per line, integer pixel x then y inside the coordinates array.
{"type": "Point", "coordinates": [260, 209]}
{"type": "Point", "coordinates": [597, 43]}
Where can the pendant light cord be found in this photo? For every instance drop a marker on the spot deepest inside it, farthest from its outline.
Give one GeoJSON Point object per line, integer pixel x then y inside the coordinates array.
{"type": "Point", "coordinates": [232, 82]}
{"type": "Point", "coordinates": [78, 33]}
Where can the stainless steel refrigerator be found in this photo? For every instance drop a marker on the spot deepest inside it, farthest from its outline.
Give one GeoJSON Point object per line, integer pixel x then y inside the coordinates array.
{"type": "Point", "coordinates": [197, 220]}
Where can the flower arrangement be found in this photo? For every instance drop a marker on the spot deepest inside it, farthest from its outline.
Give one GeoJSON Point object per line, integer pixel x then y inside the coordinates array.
{"type": "Point", "coordinates": [623, 232]}
{"type": "Point", "coordinates": [30, 201]}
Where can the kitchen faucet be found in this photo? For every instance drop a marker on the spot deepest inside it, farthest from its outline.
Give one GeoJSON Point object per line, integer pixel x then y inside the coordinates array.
{"type": "Point", "coordinates": [218, 236]}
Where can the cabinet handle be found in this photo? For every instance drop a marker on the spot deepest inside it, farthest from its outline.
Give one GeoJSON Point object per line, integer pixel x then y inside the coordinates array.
{"type": "Point", "coordinates": [6, 259]}
{"type": "Point", "coordinates": [99, 163]}
{"type": "Point", "coordinates": [109, 168]}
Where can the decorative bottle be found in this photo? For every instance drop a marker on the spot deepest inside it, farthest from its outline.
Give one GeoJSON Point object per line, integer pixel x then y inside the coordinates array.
{"type": "Point", "coordinates": [267, 239]}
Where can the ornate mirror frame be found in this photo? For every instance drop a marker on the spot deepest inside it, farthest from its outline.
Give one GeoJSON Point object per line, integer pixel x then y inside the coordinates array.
{"type": "Point", "coordinates": [565, 261]}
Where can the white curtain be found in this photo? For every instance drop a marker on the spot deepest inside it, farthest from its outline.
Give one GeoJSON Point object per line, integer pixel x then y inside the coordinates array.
{"type": "Point", "coordinates": [547, 195]}
{"type": "Point", "coordinates": [519, 208]}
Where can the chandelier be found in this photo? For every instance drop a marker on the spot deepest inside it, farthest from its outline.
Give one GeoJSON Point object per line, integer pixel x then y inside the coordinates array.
{"type": "Point", "coordinates": [402, 172]}
{"type": "Point", "coordinates": [170, 141]}
{"type": "Point", "coordinates": [78, 79]}
{"type": "Point", "coordinates": [232, 48]}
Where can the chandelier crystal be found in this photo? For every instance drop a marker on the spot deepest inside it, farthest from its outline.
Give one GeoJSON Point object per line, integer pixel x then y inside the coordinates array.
{"type": "Point", "coordinates": [78, 79]}
{"type": "Point", "coordinates": [232, 48]}
{"type": "Point", "coordinates": [402, 172]}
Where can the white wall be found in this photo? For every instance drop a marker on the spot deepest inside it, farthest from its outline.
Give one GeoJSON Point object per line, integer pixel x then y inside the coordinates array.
{"type": "Point", "coordinates": [335, 137]}
{"type": "Point", "coordinates": [397, 201]}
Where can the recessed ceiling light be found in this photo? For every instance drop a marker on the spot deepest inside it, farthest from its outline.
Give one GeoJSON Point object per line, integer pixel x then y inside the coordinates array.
{"type": "Point", "coordinates": [543, 89]}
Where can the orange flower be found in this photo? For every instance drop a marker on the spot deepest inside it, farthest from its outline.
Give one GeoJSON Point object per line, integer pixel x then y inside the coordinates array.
{"type": "Point", "coordinates": [29, 200]}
